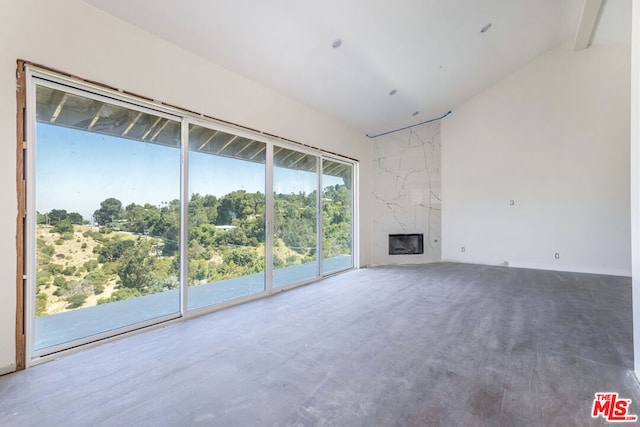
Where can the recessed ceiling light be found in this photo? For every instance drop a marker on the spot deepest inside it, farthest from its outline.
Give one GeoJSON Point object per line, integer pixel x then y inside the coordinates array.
{"type": "Point", "coordinates": [336, 43]}
{"type": "Point", "coordinates": [416, 113]}
{"type": "Point", "coordinates": [393, 92]}
{"type": "Point", "coordinates": [486, 28]}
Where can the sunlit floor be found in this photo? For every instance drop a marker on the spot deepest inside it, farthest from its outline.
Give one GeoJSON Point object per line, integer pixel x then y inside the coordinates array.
{"type": "Point", "coordinates": [425, 345]}
{"type": "Point", "coordinates": [77, 324]}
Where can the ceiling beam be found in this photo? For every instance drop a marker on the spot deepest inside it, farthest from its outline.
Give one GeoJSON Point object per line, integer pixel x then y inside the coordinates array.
{"type": "Point", "coordinates": [588, 23]}
{"type": "Point", "coordinates": [58, 109]}
{"type": "Point", "coordinates": [204, 144]}
{"type": "Point", "coordinates": [132, 124]}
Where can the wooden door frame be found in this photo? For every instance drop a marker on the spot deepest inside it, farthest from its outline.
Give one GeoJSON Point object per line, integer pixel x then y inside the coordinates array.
{"type": "Point", "coordinates": [21, 146]}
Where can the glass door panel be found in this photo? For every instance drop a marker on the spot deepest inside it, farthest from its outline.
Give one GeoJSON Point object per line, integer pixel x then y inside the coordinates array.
{"type": "Point", "coordinates": [337, 214]}
{"type": "Point", "coordinates": [295, 206]}
{"type": "Point", "coordinates": [107, 195]}
{"type": "Point", "coordinates": [226, 217]}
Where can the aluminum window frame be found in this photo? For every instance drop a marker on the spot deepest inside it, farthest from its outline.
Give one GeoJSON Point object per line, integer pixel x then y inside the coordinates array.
{"type": "Point", "coordinates": [34, 76]}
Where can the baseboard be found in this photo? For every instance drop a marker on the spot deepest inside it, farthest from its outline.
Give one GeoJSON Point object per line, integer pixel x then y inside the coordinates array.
{"type": "Point", "coordinates": [7, 369]}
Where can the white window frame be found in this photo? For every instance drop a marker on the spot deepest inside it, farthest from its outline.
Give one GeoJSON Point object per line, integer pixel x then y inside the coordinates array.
{"type": "Point", "coordinates": [35, 75]}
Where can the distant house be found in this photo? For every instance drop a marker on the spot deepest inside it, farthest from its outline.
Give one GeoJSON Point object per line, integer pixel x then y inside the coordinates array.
{"type": "Point", "coordinates": [225, 227]}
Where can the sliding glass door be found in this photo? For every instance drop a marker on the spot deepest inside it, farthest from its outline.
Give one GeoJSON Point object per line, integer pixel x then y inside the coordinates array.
{"type": "Point", "coordinates": [295, 211]}
{"type": "Point", "coordinates": [226, 217]}
{"type": "Point", "coordinates": [107, 226]}
{"type": "Point", "coordinates": [138, 214]}
{"type": "Point", "coordinates": [337, 215]}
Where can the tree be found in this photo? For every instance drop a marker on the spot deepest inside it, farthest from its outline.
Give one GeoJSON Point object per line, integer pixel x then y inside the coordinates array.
{"type": "Point", "coordinates": [136, 266]}
{"type": "Point", "coordinates": [75, 218]}
{"type": "Point", "coordinates": [197, 211]}
{"type": "Point", "coordinates": [113, 249]}
{"type": "Point", "coordinates": [168, 227]}
{"type": "Point", "coordinates": [57, 215]}
{"type": "Point", "coordinates": [110, 210]}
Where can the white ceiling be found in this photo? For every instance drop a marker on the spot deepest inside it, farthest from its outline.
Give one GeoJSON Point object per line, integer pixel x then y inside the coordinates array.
{"type": "Point", "coordinates": [431, 51]}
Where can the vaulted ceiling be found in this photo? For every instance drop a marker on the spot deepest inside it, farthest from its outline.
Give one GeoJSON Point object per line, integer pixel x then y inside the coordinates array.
{"type": "Point", "coordinates": [399, 62]}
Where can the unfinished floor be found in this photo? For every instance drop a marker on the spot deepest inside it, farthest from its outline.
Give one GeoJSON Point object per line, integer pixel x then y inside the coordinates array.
{"type": "Point", "coordinates": [440, 344]}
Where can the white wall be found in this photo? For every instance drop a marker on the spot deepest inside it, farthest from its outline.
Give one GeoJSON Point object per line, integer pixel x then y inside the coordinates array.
{"type": "Point", "coordinates": [554, 138]}
{"type": "Point", "coordinates": [407, 192]}
{"type": "Point", "coordinates": [635, 180]}
{"type": "Point", "coordinates": [73, 37]}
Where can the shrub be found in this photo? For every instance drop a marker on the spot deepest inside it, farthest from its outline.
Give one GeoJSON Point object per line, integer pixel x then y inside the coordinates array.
{"type": "Point", "coordinates": [41, 304]}
{"type": "Point", "coordinates": [59, 281]}
{"type": "Point", "coordinates": [42, 280]}
{"type": "Point", "coordinates": [63, 227]}
{"type": "Point", "coordinates": [69, 270]}
{"type": "Point", "coordinates": [46, 249]}
{"type": "Point", "coordinates": [54, 268]}
{"type": "Point", "coordinates": [90, 265]}
{"type": "Point", "coordinates": [121, 294]}
{"type": "Point", "coordinates": [76, 300]}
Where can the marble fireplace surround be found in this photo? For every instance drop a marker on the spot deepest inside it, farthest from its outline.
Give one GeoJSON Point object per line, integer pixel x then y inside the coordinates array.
{"type": "Point", "coordinates": [407, 192]}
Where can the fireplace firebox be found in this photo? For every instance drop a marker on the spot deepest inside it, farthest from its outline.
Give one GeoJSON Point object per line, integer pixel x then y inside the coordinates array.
{"type": "Point", "coordinates": [406, 244]}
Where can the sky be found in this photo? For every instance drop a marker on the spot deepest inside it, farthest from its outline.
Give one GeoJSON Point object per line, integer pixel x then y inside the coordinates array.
{"type": "Point", "coordinates": [76, 170]}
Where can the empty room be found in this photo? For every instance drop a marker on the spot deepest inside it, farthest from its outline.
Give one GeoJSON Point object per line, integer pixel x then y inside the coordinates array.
{"type": "Point", "coordinates": [356, 213]}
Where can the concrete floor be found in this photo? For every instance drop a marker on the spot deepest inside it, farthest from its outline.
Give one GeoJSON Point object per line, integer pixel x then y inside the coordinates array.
{"type": "Point", "coordinates": [439, 344]}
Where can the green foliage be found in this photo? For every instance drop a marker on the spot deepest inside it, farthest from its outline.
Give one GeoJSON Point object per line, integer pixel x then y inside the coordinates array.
{"type": "Point", "coordinates": [110, 211]}
{"type": "Point", "coordinates": [59, 281]}
{"type": "Point", "coordinates": [44, 248]}
{"type": "Point", "coordinates": [40, 218]}
{"type": "Point", "coordinates": [91, 265]}
{"type": "Point", "coordinates": [336, 221]}
{"type": "Point", "coordinates": [168, 227]}
{"type": "Point", "coordinates": [64, 226]}
{"type": "Point", "coordinates": [41, 304]}
{"type": "Point", "coordinates": [95, 235]}
{"type": "Point", "coordinates": [69, 271]}
{"type": "Point", "coordinates": [98, 276]}
{"type": "Point", "coordinates": [66, 236]}
{"type": "Point", "coordinates": [113, 249]}
{"type": "Point", "coordinates": [43, 278]}
{"type": "Point", "coordinates": [75, 218]}
{"type": "Point", "coordinates": [56, 215]}
{"type": "Point", "coordinates": [76, 300]}
{"type": "Point", "coordinates": [136, 265]}
{"type": "Point", "coordinates": [198, 270]}
{"type": "Point", "coordinates": [54, 268]}
{"type": "Point", "coordinates": [278, 262]}
{"type": "Point", "coordinates": [59, 242]}
{"type": "Point", "coordinates": [141, 219]}
{"type": "Point", "coordinates": [59, 215]}
{"type": "Point", "coordinates": [75, 292]}
{"type": "Point", "coordinates": [150, 263]}
{"type": "Point", "coordinates": [241, 257]}
{"type": "Point", "coordinates": [120, 295]}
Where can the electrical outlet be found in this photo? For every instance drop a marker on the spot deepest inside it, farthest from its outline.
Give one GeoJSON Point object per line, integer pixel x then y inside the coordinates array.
{"type": "Point", "coordinates": [462, 249]}
{"type": "Point", "coordinates": [556, 255]}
